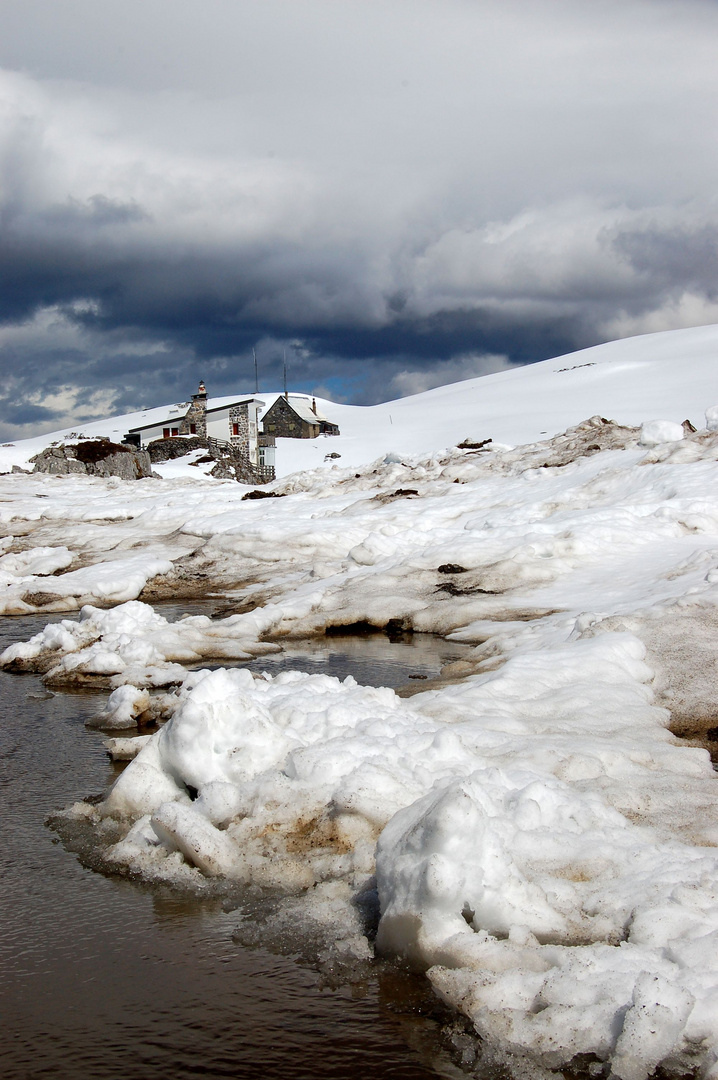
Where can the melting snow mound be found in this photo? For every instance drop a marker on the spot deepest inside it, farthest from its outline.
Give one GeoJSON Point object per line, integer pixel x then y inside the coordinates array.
{"type": "Point", "coordinates": [526, 855]}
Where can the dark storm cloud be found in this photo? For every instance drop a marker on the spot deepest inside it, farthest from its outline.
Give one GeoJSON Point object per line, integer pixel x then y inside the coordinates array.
{"type": "Point", "coordinates": [392, 193]}
{"type": "Point", "coordinates": [203, 300]}
{"type": "Point", "coordinates": [678, 257]}
{"type": "Point", "coordinates": [19, 415]}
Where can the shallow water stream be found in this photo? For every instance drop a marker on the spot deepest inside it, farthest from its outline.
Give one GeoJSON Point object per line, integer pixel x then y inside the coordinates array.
{"type": "Point", "coordinates": [102, 978]}
{"type": "Point", "coordinates": [403, 661]}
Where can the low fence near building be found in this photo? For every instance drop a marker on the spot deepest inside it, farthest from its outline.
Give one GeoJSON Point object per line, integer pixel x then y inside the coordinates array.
{"type": "Point", "coordinates": [265, 473]}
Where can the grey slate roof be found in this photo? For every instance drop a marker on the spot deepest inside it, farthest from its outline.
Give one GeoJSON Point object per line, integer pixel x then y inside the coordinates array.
{"type": "Point", "coordinates": [303, 408]}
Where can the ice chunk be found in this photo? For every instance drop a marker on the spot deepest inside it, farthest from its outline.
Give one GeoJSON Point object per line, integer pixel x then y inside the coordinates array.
{"type": "Point", "coordinates": [203, 845]}
{"type": "Point", "coordinates": [123, 707]}
{"type": "Point", "coordinates": [652, 1027]}
{"type": "Point", "coordinates": [126, 749]}
{"type": "Point", "coordinates": [655, 432]}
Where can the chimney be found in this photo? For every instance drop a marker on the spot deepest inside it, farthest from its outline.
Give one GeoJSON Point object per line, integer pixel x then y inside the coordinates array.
{"type": "Point", "coordinates": [195, 420]}
{"type": "Point", "coordinates": [314, 406]}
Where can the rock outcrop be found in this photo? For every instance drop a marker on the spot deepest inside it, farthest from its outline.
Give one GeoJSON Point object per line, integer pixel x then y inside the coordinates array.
{"type": "Point", "coordinates": [94, 457]}
{"type": "Point", "coordinates": [168, 449]}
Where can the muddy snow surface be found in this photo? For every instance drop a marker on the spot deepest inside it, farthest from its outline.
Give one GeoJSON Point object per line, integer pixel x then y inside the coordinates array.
{"type": "Point", "coordinates": [535, 828]}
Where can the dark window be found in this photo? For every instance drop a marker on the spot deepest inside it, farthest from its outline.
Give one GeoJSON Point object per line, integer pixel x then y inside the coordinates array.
{"type": "Point", "coordinates": [165, 433]}
{"type": "Point", "coordinates": [193, 429]}
{"type": "Point", "coordinates": [235, 429]}
{"type": "Point", "coordinates": [175, 431]}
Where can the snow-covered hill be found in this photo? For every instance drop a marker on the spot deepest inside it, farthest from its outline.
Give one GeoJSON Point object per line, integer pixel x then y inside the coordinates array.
{"type": "Point", "coordinates": [672, 375]}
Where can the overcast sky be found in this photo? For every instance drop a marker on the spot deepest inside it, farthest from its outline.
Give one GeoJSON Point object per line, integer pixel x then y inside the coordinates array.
{"type": "Point", "coordinates": [397, 193]}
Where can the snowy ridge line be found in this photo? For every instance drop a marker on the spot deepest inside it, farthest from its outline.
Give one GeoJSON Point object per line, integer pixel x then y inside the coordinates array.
{"type": "Point", "coordinates": [543, 844]}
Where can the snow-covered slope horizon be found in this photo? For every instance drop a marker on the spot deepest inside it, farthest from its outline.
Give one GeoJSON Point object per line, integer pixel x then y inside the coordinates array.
{"type": "Point", "coordinates": [671, 375]}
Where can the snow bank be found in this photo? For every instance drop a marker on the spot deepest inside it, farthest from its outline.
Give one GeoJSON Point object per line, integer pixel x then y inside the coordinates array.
{"type": "Point", "coordinates": [283, 781]}
{"type": "Point", "coordinates": [31, 581]}
{"type": "Point", "coordinates": [131, 644]}
{"type": "Point", "coordinates": [124, 706]}
{"type": "Point", "coordinates": [543, 841]}
{"type": "Point", "coordinates": [556, 925]}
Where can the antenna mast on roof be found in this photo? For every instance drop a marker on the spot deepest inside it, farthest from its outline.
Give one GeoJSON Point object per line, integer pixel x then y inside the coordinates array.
{"type": "Point", "coordinates": [256, 374]}
{"type": "Point", "coordinates": [286, 395]}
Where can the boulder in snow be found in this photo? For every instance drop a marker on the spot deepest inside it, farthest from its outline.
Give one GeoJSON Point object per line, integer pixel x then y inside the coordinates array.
{"type": "Point", "coordinates": [96, 457]}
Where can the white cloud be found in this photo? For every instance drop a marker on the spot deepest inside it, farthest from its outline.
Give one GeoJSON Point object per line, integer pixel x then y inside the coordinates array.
{"type": "Point", "coordinates": [303, 238]}
{"type": "Point", "coordinates": [676, 314]}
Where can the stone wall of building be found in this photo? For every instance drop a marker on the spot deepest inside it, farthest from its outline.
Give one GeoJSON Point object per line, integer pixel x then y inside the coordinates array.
{"type": "Point", "coordinates": [239, 419]}
{"type": "Point", "coordinates": [195, 417]}
{"type": "Point", "coordinates": [282, 422]}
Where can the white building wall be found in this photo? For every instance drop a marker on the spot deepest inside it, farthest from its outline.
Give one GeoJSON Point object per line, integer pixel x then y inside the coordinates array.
{"type": "Point", "coordinates": [218, 425]}
{"type": "Point", "coordinates": [148, 435]}
{"type": "Point", "coordinates": [267, 455]}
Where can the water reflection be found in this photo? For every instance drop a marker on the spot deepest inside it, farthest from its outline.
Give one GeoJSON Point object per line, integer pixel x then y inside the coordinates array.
{"type": "Point", "coordinates": [372, 659]}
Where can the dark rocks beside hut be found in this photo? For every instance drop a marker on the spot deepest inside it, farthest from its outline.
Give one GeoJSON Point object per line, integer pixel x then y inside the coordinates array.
{"type": "Point", "coordinates": [94, 457]}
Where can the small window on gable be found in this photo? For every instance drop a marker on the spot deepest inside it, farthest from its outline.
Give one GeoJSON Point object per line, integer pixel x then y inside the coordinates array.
{"type": "Point", "coordinates": [235, 429]}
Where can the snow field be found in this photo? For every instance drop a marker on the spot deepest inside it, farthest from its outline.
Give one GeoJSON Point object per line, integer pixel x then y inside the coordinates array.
{"type": "Point", "coordinates": [603, 532]}
{"type": "Point", "coordinates": [541, 843]}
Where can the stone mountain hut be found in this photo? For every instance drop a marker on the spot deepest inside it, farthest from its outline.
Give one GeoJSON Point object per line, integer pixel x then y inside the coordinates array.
{"type": "Point", "coordinates": [293, 416]}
